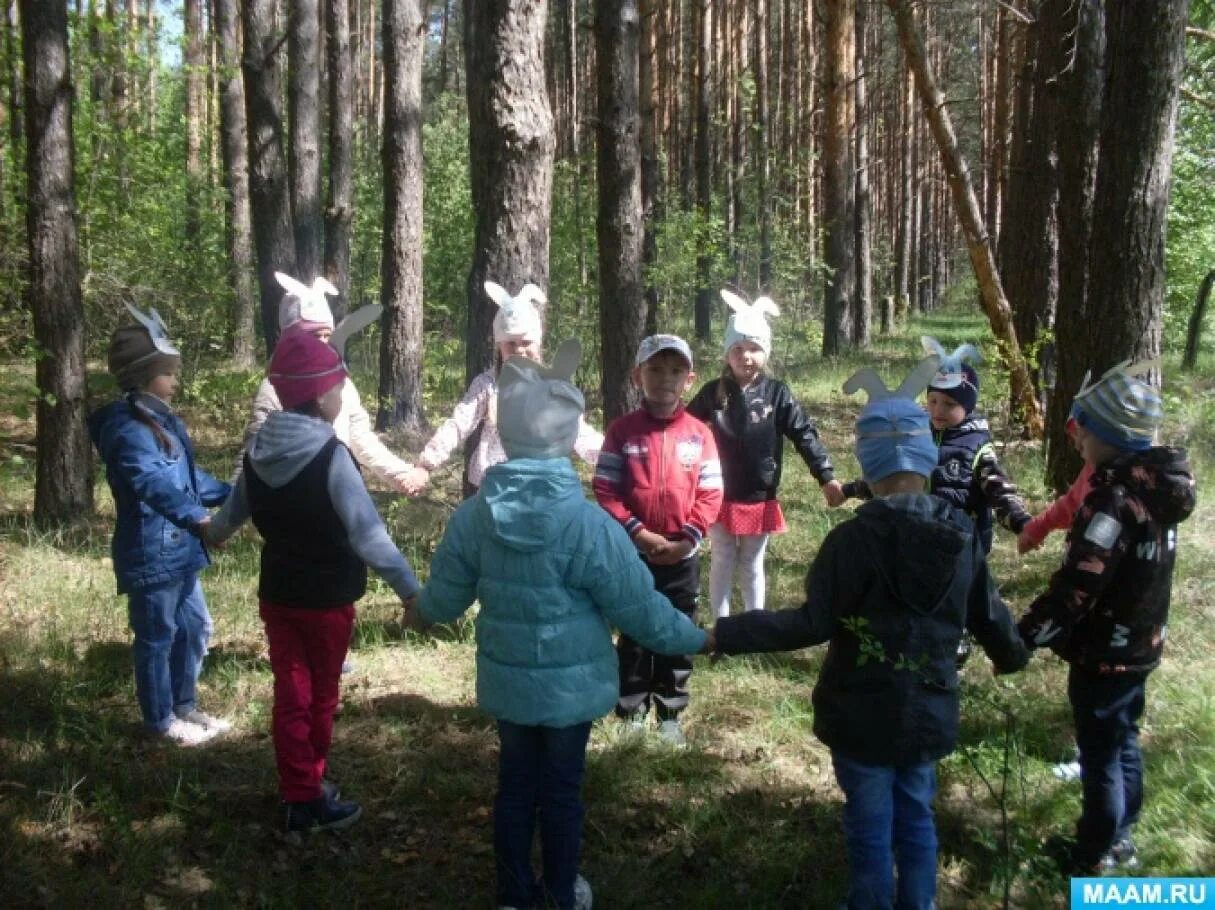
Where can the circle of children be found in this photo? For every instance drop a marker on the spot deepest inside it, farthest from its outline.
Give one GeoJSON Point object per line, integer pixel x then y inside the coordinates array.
{"type": "Point", "coordinates": [554, 572]}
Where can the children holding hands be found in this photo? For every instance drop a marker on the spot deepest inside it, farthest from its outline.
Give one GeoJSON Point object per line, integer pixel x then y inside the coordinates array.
{"type": "Point", "coordinates": [320, 531]}
{"type": "Point", "coordinates": [751, 414]}
{"type": "Point", "coordinates": [659, 476]}
{"type": "Point", "coordinates": [161, 501]}
{"type": "Point", "coordinates": [552, 573]}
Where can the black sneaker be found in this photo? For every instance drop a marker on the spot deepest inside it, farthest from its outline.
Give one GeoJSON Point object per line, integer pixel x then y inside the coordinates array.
{"type": "Point", "coordinates": [1065, 853]}
{"type": "Point", "coordinates": [324, 814]}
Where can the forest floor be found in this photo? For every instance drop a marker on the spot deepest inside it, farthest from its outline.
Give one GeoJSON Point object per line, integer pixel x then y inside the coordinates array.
{"type": "Point", "coordinates": [94, 813]}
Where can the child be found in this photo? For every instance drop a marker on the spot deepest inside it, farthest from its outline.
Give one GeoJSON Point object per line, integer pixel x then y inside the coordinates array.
{"type": "Point", "coordinates": [890, 590]}
{"type": "Point", "coordinates": [304, 309]}
{"type": "Point", "coordinates": [517, 333]}
{"type": "Point", "coordinates": [160, 501]}
{"type": "Point", "coordinates": [1106, 610]}
{"type": "Point", "coordinates": [551, 571]}
{"type": "Point", "coordinates": [749, 413]}
{"type": "Point", "coordinates": [320, 530]}
{"type": "Point", "coordinates": [1059, 514]}
{"type": "Point", "coordinates": [658, 475]}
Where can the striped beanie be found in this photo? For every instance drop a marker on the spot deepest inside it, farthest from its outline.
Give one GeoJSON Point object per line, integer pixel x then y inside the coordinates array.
{"type": "Point", "coordinates": [1120, 408]}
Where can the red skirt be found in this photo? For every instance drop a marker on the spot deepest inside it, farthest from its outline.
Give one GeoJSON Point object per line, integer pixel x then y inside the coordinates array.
{"type": "Point", "coordinates": [752, 517]}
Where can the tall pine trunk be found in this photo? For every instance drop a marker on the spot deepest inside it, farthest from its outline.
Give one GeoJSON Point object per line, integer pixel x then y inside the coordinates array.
{"type": "Point", "coordinates": [862, 317]}
{"type": "Point", "coordinates": [704, 167]}
{"type": "Point", "coordinates": [236, 179]}
{"type": "Point", "coordinates": [63, 485]}
{"type": "Point", "coordinates": [304, 136]}
{"type": "Point", "coordinates": [339, 212]}
{"type": "Point", "coordinates": [619, 226]}
{"type": "Point", "coordinates": [195, 110]}
{"type": "Point", "coordinates": [651, 188]}
{"type": "Point", "coordinates": [268, 192]}
{"type": "Point", "coordinates": [763, 170]}
{"type": "Point", "coordinates": [839, 179]}
{"type": "Point", "coordinates": [401, 278]}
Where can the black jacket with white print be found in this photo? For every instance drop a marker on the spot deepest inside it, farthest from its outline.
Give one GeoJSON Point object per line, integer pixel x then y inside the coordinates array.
{"type": "Point", "coordinates": [1107, 609]}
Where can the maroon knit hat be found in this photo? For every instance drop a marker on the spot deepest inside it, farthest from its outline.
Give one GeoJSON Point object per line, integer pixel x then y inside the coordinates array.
{"type": "Point", "coordinates": [303, 368]}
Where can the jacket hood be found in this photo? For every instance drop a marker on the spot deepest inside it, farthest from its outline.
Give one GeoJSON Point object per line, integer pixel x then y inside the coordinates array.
{"type": "Point", "coordinates": [1160, 478]}
{"type": "Point", "coordinates": [918, 541]}
{"type": "Point", "coordinates": [525, 502]}
{"type": "Point", "coordinates": [285, 444]}
{"type": "Point", "coordinates": [110, 416]}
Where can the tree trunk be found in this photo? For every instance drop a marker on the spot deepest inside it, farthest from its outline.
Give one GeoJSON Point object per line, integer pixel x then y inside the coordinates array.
{"type": "Point", "coordinates": [998, 160]}
{"type": "Point", "coordinates": [510, 158]}
{"type": "Point", "coordinates": [63, 485]}
{"type": "Point", "coordinates": [304, 137]}
{"type": "Point", "coordinates": [1193, 335]}
{"type": "Point", "coordinates": [651, 189]}
{"type": "Point", "coordinates": [236, 178]}
{"type": "Point", "coordinates": [904, 245]}
{"type": "Point", "coordinates": [401, 277]}
{"type": "Point", "coordinates": [704, 169]}
{"type": "Point", "coordinates": [994, 302]}
{"type": "Point", "coordinates": [339, 213]}
{"type": "Point", "coordinates": [193, 64]}
{"type": "Point", "coordinates": [268, 197]}
{"type": "Point", "coordinates": [1146, 44]}
{"type": "Point", "coordinates": [862, 322]}
{"type": "Point", "coordinates": [619, 226]}
{"type": "Point", "coordinates": [444, 29]}
{"type": "Point", "coordinates": [1082, 85]}
{"type": "Point", "coordinates": [763, 174]}
{"type": "Point", "coordinates": [839, 178]}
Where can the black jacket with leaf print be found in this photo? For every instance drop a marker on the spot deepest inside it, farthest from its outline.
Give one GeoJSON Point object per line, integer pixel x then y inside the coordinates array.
{"type": "Point", "coordinates": [1107, 608]}
{"type": "Point", "coordinates": [890, 590]}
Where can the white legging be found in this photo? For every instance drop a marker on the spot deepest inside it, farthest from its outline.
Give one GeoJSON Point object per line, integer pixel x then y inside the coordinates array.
{"type": "Point", "coordinates": [744, 551]}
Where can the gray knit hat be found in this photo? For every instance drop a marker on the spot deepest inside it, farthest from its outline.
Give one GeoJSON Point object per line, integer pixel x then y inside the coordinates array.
{"type": "Point", "coordinates": [139, 353]}
{"type": "Point", "coordinates": [1120, 408]}
{"type": "Point", "coordinates": [539, 409]}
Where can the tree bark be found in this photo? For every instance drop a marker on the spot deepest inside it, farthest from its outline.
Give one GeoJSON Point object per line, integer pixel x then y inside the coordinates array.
{"type": "Point", "coordinates": [704, 168]}
{"type": "Point", "coordinates": [862, 323]}
{"type": "Point", "coordinates": [193, 63]}
{"type": "Point", "coordinates": [619, 226]}
{"type": "Point", "coordinates": [339, 212]}
{"type": "Point", "coordinates": [304, 136]}
{"type": "Point", "coordinates": [994, 302]}
{"type": "Point", "coordinates": [839, 178]}
{"type": "Point", "coordinates": [1193, 335]}
{"type": "Point", "coordinates": [401, 279]}
{"type": "Point", "coordinates": [651, 174]}
{"type": "Point", "coordinates": [510, 158]}
{"type": "Point", "coordinates": [268, 194]}
{"type": "Point", "coordinates": [1082, 85]}
{"type": "Point", "coordinates": [236, 179]}
{"type": "Point", "coordinates": [904, 244]}
{"type": "Point", "coordinates": [763, 174]}
{"type": "Point", "coordinates": [1146, 45]}
{"type": "Point", "coordinates": [63, 485]}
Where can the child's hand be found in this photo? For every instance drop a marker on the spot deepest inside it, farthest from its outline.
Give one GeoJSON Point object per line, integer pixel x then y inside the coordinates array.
{"type": "Point", "coordinates": [671, 552]}
{"type": "Point", "coordinates": [412, 482]}
{"type": "Point", "coordinates": [409, 615]}
{"type": "Point", "coordinates": [649, 543]}
{"type": "Point", "coordinates": [205, 534]}
{"type": "Point", "coordinates": [1027, 542]}
{"type": "Point", "coordinates": [833, 492]}
{"type": "Point", "coordinates": [710, 645]}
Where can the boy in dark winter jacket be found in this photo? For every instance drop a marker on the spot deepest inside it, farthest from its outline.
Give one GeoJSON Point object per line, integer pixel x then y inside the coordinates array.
{"type": "Point", "coordinates": [658, 475]}
{"type": "Point", "coordinates": [900, 579]}
{"type": "Point", "coordinates": [1106, 609]}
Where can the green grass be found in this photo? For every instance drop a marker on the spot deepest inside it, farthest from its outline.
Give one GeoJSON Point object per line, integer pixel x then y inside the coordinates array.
{"type": "Point", "coordinates": [748, 816]}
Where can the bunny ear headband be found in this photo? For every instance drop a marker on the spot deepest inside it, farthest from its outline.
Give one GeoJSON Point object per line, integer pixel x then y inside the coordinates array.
{"type": "Point", "coordinates": [352, 325]}
{"type": "Point", "coordinates": [865, 379]}
{"type": "Point", "coordinates": [565, 363]}
{"type": "Point", "coordinates": [529, 293]}
{"type": "Point", "coordinates": [157, 330]}
{"type": "Point", "coordinates": [950, 373]}
{"type": "Point", "coordinates": [1136, 370]}
{"type": "Point", "coordinates": [761, 307]}
{"type": "Point", "coordinates": [321, 287]}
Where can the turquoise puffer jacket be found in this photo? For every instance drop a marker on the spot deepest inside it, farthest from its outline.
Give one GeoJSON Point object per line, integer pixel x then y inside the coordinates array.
{"type": "Point", "coordinates": [553, 572]}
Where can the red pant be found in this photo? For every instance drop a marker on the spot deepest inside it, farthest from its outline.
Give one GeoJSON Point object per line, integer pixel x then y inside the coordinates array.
{"type": "Point", "coordinates": [307, 648]}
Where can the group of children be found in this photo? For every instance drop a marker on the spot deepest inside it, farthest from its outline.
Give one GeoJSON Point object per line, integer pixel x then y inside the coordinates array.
{"type": "Point", "coordinates": [554, 573]}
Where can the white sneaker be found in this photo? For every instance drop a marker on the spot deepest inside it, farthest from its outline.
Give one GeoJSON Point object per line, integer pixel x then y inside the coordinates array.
{"type": "Point", "coordinates": [206, 721]}
{"type": "Point", "coordinates": [582, 894]}
{"type": "Point", "coordinates": [1066, 770]}
{"type": "Point", "coordinates": [670, 731]}
{"type": "Point", "coordinates": [186, 734]}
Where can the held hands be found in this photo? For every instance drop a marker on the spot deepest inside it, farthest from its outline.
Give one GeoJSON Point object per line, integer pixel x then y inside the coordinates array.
{"type": "Point", "coordinates": [409, 615]}
{"type": "Point", "coordinates": [1027, 542]}
{"type": "Point", "coordinates": [710, 645]}
{"type": "Point", "coordinates": [207, 536]}
{"type": "Point", "coordinates": [413, 481]}
{"type": "Point", "coordinates": [833, 492]}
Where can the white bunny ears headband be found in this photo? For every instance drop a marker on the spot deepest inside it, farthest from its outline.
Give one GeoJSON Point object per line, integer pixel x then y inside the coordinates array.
{"type": "Point", "coordinates": [517, 316]}
{"type": "Point", "coordinates": [868, 381]}
{"type": "Point", "coordinates": [950, 373]}
{"type": "Point", "coordinates": [748, 321]}
{"type": "Point", "coordinates": [304, 303]}
{"type": "Point", "coordinates": [157, 329]}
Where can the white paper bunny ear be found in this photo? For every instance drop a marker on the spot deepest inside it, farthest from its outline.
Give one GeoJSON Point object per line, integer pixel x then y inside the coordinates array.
{"type": "Point", "coordinates": [565, 361]}
{"type": "Point", "coordinates": [734, 302]}
{"type": "Point", "coordinates": [322, 285]}
{"type": "Point", "coordinates": [530, 293]}
{"type": "Point", "coordinates": [766, 305]}
{"type": "Point", "coordinates": [865, 379]}
{"type": "Point", "coordinates": [291, 285]}
{"type": "Point", "coordinates": [964, 352]}
{"type": "Point", "coordinates": [157, 330]}
{"type": "Point", "coordinates": [498, 294]}
{"type": "Point", "coordinates": [353, 324]}
{"type": "Point", "coordinates": [932, 346]}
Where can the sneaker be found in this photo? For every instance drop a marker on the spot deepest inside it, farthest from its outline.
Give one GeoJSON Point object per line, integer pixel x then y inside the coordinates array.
{"type": "Point", "coordinates": [1066, 770]}
{"type": "Point", "coordinates": [185, 734]}
{"type": "Point", "coordinates": [582, 894]}
{"type": "Point", "coordinates": [672, 733]}
{"type": "Point", "coordinates": [1122, 855]}
{"type": "Point", "coordinates": [323, 814]}
{"type": "Point", "coordinates": [204, 720]}
{"type": "Point", "coordinates": [965, 646]}
{"type": "Point", "coordinates": [347, 667]}
{"type": "Point", "coordinates": [329, 790]}
{"type": "Point", "coordinates": [1064, 851]}
{"type": "Point", "coordinates": [637, 721]}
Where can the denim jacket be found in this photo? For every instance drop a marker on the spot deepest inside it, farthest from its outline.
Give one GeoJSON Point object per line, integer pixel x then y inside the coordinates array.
{"type": "Point", "coordinates": [159, 497]}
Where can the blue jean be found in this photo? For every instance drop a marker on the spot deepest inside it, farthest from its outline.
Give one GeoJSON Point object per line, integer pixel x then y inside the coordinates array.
{"type": "Point", "coordinates": [539, 769]}
{"type": "Point", "coordinates": [172, 628]}
{"type": "Point", "coordinates": [1106, 710]}
{"type": "Point", "coordinates": [888, 821]}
